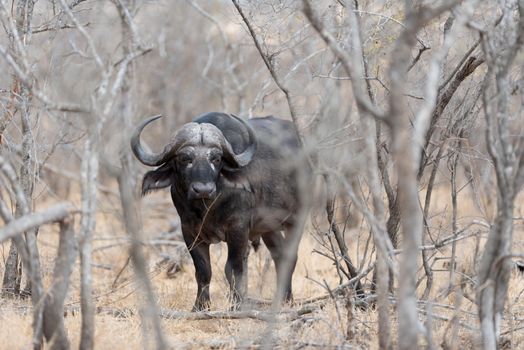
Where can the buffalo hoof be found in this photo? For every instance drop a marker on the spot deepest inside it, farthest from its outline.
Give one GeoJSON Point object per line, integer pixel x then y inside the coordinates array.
{"type": "Point", "coordinates": [237, 305]}
{"type": "Point", "coordinates": [236, 301]}
{"type": "Point", "coordinates": [244, 304]}
{"type": "Point", "coordinates": [287, 300]}
{"type": "Point", "coordinates": [201, 306]}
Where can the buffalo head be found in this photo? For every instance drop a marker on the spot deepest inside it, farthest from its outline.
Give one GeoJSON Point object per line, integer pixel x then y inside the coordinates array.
{"type": "Point", "coordinates": [194, 158]}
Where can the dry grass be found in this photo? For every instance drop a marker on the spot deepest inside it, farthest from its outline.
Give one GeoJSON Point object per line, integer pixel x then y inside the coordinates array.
{"type": "Point", "coordinates": [323, 328]}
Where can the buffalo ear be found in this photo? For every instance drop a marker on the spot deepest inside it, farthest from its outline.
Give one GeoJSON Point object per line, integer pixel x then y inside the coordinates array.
{"type": "Point", "coordinates": [156, 179]}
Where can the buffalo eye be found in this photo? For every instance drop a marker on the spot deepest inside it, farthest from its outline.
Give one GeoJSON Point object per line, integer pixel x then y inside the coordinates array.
{"type": "Point", "coordinates": [216, 159]}
{"type": "Point", "coordinates": [184, 159]}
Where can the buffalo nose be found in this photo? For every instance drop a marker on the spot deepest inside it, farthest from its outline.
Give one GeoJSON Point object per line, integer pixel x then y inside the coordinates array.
{"type": "Point", "coordinates": [203, 190]}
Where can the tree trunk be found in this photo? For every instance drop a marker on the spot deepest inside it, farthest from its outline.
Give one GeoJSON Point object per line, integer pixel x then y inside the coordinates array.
{"type": "Point", "coordinates": [493, 275]}
{"type": "Point", "coordinates": [53, 315]}
{"type": "Point", "coordinates": [12, 274]}
{"type": "Point", "coordinates": [89, 205]}
{"type": "Point", "coordinates": [126, 185]}
{"type": "Point", "coordinates": [500, 48]}
{"type": "Point", "coordinates": [132, 224]}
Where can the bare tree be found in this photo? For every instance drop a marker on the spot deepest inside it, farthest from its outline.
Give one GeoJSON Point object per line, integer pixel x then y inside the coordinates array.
{"type": "Point", "coordinates": [19, 35]}
{"type": "Point", "coordinates": [500, 48]}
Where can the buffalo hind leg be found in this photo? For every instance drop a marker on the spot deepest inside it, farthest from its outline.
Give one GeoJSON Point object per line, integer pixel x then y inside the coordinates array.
{"type": "Point", "coordinates": [236, 268]}
{"type": "Point", "coordinates": [285, 262]}
{"type": "Point", "coordinates": [202, 262]}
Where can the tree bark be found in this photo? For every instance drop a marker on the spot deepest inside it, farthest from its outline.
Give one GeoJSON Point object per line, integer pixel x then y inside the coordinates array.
{"type": "Point", "coordinates": [406, 147]}
{"type": "Point", "coordinates": [53, 316]}
{"type": "Point", "coordinates": [126, 184]}
{"type": "Point", "coordinates": [88, 224]}
{"type": "Point", "coordinates": [500, 48]}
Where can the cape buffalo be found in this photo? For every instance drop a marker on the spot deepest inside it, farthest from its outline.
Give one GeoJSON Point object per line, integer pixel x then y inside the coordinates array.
{"type": "Point", "coordinates": [233, 181]}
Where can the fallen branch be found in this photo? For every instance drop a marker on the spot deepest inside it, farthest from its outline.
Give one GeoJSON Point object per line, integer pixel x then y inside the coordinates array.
{"type": "Point", "coordinates": [261, 315]}
{"type": "Point", "coordinates": [341, 291]}
{"type": "Point", "coordinates": [243, 343]}
{"type": "Point", "coordinates": [169, 314]}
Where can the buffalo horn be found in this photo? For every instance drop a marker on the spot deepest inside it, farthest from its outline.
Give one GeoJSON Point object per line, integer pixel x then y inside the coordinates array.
{"type": "Point", "coordinates": [241, 159]}
{"type": "Point", "coordinates": [144, 156]}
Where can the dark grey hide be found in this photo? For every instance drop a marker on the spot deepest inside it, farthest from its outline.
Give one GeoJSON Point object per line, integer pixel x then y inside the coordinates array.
{"type": "Point", "coordinates": [236, 182]}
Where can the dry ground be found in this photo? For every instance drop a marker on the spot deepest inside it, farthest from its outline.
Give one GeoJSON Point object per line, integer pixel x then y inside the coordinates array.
{"type": "Point", "coordinates": [327, 326]}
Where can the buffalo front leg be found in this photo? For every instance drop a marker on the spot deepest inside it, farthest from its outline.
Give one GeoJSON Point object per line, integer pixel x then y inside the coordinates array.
{"type": "Point", "coordinates": [236, 268]}
{"type": "Point", "coordinates": [285, 262]}
{"type": "Point", "coordinates": [202, 262]}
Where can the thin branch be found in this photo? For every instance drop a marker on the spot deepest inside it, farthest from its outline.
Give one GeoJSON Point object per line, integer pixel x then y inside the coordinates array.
{"type": "Point", "coordinates": [266, 58]}
{"type": "Point", "coordinates": [27, 81]}
{"type": "Point", "coordinates": [82, 30]}
{"type": "Point", "coordinates": [49, 28]}
{"type": "Point", "coordinates": [363, 102]}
